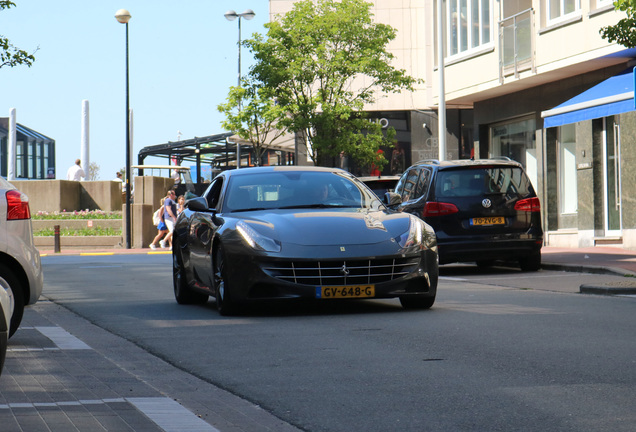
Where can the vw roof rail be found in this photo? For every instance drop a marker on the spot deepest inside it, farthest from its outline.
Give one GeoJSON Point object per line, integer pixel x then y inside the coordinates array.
{"type": "Point", "coordinates": [431, 161]}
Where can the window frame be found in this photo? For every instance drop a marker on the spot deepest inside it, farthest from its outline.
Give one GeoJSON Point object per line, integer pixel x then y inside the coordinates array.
{"type": "Point", "coordinates": [550, 20]}
{"type": "Point", "coordinates": [463, 44]}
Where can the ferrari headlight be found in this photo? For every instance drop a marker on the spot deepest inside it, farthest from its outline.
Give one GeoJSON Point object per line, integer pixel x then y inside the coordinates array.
{"type": "Point", "coordinates": [257, 240]}
{"type": "Point", "coordinates": [420, 234]}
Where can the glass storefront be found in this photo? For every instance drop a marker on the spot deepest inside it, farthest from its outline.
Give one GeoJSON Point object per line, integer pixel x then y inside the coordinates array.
{"type": "Point", "coordinates": [516, 140]}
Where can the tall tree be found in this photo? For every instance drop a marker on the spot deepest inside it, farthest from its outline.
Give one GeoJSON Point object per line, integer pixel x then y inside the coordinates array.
{"type": "Point", "coordinates": [251, 113]}
{"type": "Point", "coordinates": [9, 54]}
{"type": "Point", "coordinates": [324, 60]}
{"type": "Point", "coordinates": [624, 32]}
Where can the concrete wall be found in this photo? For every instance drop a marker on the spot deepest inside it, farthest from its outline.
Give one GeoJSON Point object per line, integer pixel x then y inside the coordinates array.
{"type": "Point", "coordinates": [65, 195]}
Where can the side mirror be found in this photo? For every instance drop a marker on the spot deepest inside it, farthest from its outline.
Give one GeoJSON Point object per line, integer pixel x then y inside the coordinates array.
{"type": "Point", "coordinates": [197, 204]}
{"type": "Point", "coordinates": [392, 199]}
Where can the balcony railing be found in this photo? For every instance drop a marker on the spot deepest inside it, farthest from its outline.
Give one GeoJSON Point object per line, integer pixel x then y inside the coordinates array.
{"type": "Point", "coordinates": [516, 44]}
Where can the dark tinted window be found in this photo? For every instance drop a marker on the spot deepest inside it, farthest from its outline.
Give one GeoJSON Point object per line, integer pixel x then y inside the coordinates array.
{"type": "Point", "coordinates": [293, 189]}
{"type": "Point", "coordinates": [422, 184]}
{"type": "Point", "coordinates": [213, 192]}
{"type": "Point", "coordinates": [508, 181]}
{"type": "Point", "coordinates": [408, 182]}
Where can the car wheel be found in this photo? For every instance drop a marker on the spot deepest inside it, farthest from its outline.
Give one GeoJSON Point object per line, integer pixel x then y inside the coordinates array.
{"type": "Point", "coordinates": [182, 292]}
{"type": "Point", "coordinates": [10, 282]}
{"type": "Point", "coordinates": [530, 262]}
{"type": "Point", "coordinates": [224, 302]}
{"type": "Point", "coordinates": [417, 302]}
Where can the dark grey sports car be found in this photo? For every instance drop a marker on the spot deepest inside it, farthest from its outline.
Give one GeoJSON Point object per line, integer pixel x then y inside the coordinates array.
{"type": "Point", "coordinates": [299, 232]}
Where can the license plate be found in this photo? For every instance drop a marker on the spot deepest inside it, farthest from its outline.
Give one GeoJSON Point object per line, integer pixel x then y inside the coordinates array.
{"type": "Point", "coordinates": [345, 291]}
{"type": "Point", "coordinates": [498, 220]}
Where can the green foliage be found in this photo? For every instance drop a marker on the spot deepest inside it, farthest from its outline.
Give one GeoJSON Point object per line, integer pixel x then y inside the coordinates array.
{"type": "Point", "coordinates": [624, 32]}
{"type": "Point", "coordinates": [83, 215]}
{"type": "Point", "coordinates": [10, 55]}
{"type": "Point", "coordinates": [251, 113]}
{"type": "Point", "coordinates": [81, 232]}
{"type": "Point", "coordinates": [323, 61]}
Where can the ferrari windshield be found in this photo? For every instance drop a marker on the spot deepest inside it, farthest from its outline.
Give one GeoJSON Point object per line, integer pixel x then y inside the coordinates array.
{"type": "Point", "coordinates": [297, 189]}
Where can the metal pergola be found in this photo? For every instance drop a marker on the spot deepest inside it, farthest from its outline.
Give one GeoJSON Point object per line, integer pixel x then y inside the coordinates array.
{"type": "Point", "coordinates": [213, 150]}
{"type": "Point", "coordinates": [216, 151]}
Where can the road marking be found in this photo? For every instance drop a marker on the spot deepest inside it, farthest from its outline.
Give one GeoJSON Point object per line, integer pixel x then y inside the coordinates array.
{"type": "Point", "coordinates": [96, 253]}
{"type": "Point", "coordinates": [164, 412]}
{"type": "Point", "coordinates": [170, 415]}
{"type": "Point", "coordinates": [100, 266]}
{"type": "Point", "coordinates": [62, 338]}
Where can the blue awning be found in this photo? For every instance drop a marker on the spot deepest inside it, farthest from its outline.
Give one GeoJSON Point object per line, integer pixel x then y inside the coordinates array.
{"type": "Point", "coordinates": [613, 96]}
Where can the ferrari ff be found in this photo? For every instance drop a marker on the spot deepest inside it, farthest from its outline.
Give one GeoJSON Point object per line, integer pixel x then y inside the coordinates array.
{"type": "Point", "coordinates": [290, 232]}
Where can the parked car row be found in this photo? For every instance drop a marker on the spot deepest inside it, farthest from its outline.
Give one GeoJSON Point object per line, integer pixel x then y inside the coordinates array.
{"type": "Point", "coordinates": [271, 233]}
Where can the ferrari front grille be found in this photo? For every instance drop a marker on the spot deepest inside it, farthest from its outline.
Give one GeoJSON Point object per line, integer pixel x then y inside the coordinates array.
{"type": "Point", "coordinates": [342, 272]}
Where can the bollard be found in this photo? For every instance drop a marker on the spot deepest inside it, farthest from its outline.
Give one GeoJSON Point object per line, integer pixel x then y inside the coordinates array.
{"type": "Point", "coordinates": [56, 234]}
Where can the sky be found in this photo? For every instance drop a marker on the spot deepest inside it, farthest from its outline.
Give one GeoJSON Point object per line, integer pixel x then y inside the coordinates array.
{"type": "Point", "coordinates": [183, 57]}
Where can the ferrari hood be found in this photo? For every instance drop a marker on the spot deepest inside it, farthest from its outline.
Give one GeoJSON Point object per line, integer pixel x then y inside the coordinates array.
{"type": "Point", "coordinates": [329, 227]}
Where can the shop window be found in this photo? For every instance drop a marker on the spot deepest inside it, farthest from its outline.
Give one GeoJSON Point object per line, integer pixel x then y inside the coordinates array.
{"type": "Point", "coordinates": [516, 140]}
{"type": "Point", "coordinates": [567, 194]}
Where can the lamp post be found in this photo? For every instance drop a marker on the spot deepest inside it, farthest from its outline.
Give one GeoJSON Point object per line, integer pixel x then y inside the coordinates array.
{"type": "Point", "coordinates": [231, 16]}
{"type": "Point", "coordinates": [123, 16]}
{"type": "Point", "coordinates": [441, 114]}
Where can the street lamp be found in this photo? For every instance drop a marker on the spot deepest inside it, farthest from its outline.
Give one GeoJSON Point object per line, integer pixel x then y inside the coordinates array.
{"type": "Point", "coordinates": [231, 16]}
{"type": "Point", "coordinates": [123, 16]}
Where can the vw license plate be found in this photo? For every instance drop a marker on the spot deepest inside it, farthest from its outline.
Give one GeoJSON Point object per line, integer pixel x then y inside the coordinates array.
{"type": "Point", "coordinates": [345, 291]}
{"type": "Point", "coordinates": [498, 220]}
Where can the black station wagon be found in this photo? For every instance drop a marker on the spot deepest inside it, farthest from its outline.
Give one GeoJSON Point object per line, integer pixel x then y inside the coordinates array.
{"type": "Point", "coordinates": [481, 210]}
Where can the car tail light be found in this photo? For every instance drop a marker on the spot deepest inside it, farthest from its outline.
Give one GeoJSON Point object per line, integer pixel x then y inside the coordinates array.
{"type": "Point", "coordinates": [439, 209]}
{"type": "Point", "coordinates": [17, 205]}
{"type": "Point", "coordinates": [529, 205]}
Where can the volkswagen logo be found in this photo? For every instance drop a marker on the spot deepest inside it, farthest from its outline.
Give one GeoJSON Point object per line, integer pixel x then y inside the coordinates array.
{"type": "Point", "coordinates": [344, 270]}
{"type": "Point", "coordinates": [486, 203]}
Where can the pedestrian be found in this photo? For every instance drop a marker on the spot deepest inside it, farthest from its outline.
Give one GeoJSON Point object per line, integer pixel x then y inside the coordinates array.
{"type": "Point", "coordinates": [162, 229]}
{"type": "Point", "coordinates": [118, 177]}
{"type": "Point", "coordinates": [75, 173]}
{"type": "Point", "coordinates": [180, 204]}
{"type": "Point", "coordinates": [170, 217]}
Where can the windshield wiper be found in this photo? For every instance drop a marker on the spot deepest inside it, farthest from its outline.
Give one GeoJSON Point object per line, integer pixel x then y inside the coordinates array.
{"type": "Point", "coordinates": [309, 206]}
{"type": "Point", "coordinates": [249, 209]}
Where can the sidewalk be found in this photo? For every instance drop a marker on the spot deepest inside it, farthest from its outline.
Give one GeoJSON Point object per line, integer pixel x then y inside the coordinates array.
{"type": "Point", "coordinates": [598, 260]}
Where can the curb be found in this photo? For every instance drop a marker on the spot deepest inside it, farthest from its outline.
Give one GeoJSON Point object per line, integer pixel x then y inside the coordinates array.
{"type": "Point", "coordinates": [608, 289]}
{"type": "Point", "coordinates": [104, 253]}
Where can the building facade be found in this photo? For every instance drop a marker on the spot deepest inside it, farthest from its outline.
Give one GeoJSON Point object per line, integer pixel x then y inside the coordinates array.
{"type": "Point", "coordinates": [532, 80]}
{"type": "Point", "coordinates": [34, 153]}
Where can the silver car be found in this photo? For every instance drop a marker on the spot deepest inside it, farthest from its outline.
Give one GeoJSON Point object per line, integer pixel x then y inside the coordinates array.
{"type": "Point", "coordinates": [20, 265]}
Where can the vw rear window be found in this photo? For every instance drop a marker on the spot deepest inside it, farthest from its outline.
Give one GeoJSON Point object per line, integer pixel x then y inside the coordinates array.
{"type": "Point", "coordinates": [509, 181]}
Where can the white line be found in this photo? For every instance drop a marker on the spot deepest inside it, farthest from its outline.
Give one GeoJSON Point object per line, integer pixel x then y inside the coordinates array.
{"type": "Point", "coordinates": [170, 415]}
{"type": "Point", "coordinates": [62, 338]}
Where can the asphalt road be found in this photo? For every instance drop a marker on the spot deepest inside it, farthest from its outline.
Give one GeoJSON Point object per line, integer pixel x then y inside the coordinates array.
{"type": "Point", "coordinates": [500, 350]}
